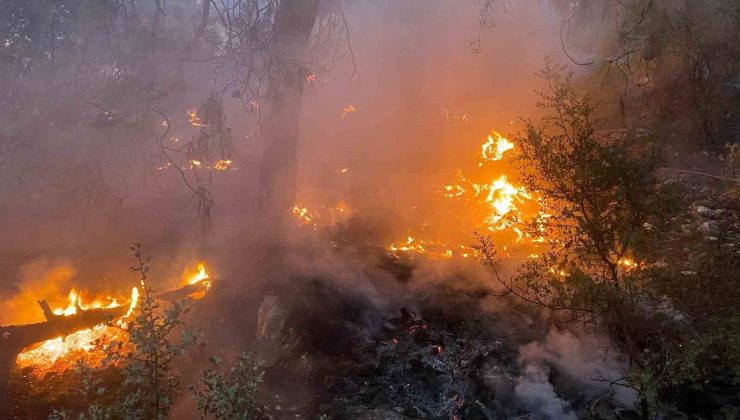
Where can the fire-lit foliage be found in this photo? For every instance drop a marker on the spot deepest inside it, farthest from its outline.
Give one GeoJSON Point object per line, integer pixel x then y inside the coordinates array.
{"type": "Point", "coordinates": [335, 207]}
{"type": "Point", "coordinates": [604, 267]}
{"type": "Point", "coordinates": [232, 396]}
{"type": "Point", "coordinates": [146, 358]}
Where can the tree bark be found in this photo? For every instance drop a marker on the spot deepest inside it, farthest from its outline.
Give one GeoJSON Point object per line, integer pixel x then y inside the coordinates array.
{"type": "Point", "coordinates": [294, 22]}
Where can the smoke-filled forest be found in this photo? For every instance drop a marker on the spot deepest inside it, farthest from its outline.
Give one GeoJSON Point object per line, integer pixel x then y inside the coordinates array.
{"type": "Point", "coordinates": [369, 209]}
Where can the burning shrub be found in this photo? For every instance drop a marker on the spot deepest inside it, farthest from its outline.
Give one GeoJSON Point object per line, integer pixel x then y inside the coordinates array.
{"type": "Point", "coordinates": [602, 199]}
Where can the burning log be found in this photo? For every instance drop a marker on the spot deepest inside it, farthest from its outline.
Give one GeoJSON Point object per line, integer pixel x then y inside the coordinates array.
{"type": "Point", "coordinates": [191, 291]}
{"type": "Point", "coordinates": [74, 320]}
{"type": "Point", "coordinates": [15, 338]}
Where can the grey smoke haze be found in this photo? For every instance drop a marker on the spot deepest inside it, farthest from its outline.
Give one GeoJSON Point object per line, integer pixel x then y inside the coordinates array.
{"type": "Point", "coordinates": [414, 65]}
{"type": "Point", "coordinates": [417, 69]}
{"type": "Point", "coordinates": [580, 358]}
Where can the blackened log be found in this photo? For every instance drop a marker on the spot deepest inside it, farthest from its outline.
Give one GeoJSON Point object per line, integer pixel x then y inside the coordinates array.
{"type": "Point", "coordinates": [185, 292]}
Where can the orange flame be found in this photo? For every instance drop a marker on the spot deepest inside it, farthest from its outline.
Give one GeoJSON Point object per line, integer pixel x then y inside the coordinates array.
{"type": "Point", "coordinates": [80, 344]}
{"type": "Point", "coordinates": [222, 165]}
{"type": "Point", "coordinates": [430, 249]}
{"type": "Point", "coordinates": [194, 119]}
{"type": "Point", "coordinates": [495, 149]}
{"type": "Point", "coordinates": [348, 110]}
{"type": "Point", "coordinates": [60, 353]}
{"type": "Point", "coordinates": [201, 275]}
{"type": "Point", "coordinates": [497, 205]}
{"type": "Point", "coordinates": [502, 197]}
{"type": "Point", "coordinates": [304, 216]}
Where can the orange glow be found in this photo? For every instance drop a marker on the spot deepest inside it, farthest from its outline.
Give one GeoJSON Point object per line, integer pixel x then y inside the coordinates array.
{"type": "Point", "coordinates": [304, 216]}
{"type": "Point", "coordinates": [628, 264]}
{"type": "Point", "coordinates": [348, 110]}
{"type": "Point", "coordinates": [429, 249]}
{"type": "Point", "coordinates": [60, 353]}
{"type": "Point", "coordinates": [498, 205]}
{"type": "Point", "coordinates": [222, 165]}
{"type": "Point", "coordinates": [201, 275]}
{"type": "Point", "coordinates": [494, 149]}
{"type": "Point", "coordinates": [194, 119]}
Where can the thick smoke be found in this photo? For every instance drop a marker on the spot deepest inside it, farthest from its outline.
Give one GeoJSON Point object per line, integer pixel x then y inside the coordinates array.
{"type": "Point", "coordinates": [584, 362]}
{"type": "Point", "coordinates": [416, 71]}
{"type": "Point", "coordinates": [429, 86]}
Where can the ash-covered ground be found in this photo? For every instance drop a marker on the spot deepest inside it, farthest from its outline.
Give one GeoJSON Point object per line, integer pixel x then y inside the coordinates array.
{"type": "Point", "coordinates": [429, 341]}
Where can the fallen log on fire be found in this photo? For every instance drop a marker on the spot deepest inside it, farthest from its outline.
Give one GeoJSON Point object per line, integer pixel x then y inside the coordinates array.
{"type": "Point", "coordinates": [193, 291]}
{"type": "Point", "coordinates": [14, 338]}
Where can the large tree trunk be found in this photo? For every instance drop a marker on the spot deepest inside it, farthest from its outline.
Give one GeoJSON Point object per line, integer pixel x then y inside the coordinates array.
{"type": "Point", "coordinates": [278, 171]}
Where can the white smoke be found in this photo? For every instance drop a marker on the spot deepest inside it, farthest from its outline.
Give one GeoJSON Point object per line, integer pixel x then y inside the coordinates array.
{"type": "Point", "coordinates": [584, 360]}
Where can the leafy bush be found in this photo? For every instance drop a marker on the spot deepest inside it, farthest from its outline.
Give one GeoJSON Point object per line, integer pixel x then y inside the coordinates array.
{"type": "Point", "coordinates": [605, 218]}
{"type": "Point", "coordinates": [233, 396]}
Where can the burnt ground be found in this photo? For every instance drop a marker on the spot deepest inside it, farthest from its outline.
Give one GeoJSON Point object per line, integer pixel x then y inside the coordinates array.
{"type": "Point", "coordinates": [448, 358]}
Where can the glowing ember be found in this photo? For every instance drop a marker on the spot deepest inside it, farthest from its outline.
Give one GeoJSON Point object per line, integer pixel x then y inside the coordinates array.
{"type": "Point", "coordinates": [304, 216]}
{"type": "Point", "coordinates": [453, 190]}
{"type": "Point", "coordinates": [460, 119]}
{"type": "Point", "coordinates": [48, 352]}
{"type": "Point", "coordinates": [348, 110]}
{"type": "Point", "coordinates": [222, 165]}
{"type": "Point", "coordinates": [429, 249]}
{"type": "Point", "coordinates": [194, 119]}
{"type": "Point", "coordinates": [219, 165]}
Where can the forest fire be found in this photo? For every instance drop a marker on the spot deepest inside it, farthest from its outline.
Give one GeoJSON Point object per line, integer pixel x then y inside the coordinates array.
{"type": "Point", "coordinates": [493, 202]}
{"type": "Point", "coordinates": [197, 284]}
{"type": "Point", "coordinates": [497, 205]}
{"type": "Point", "coordinates": [304, 216]}
{"type": "Point", "coordinates": [429, 249]}
{"type": "Point", "coordinates": [494, 149]}
{"type": "Point", "coordinates": [87, 345]}
{"type": "Point", "coordinates": [200, 276]}
{"type": "Point", "coordinates": [382, 251]}
{"type": "Point", "coordinates": [499, 196]}
{"type": "Point", "coordinates": [195, 119]}
{"type": "Point", "coordinates": [61, 352]}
